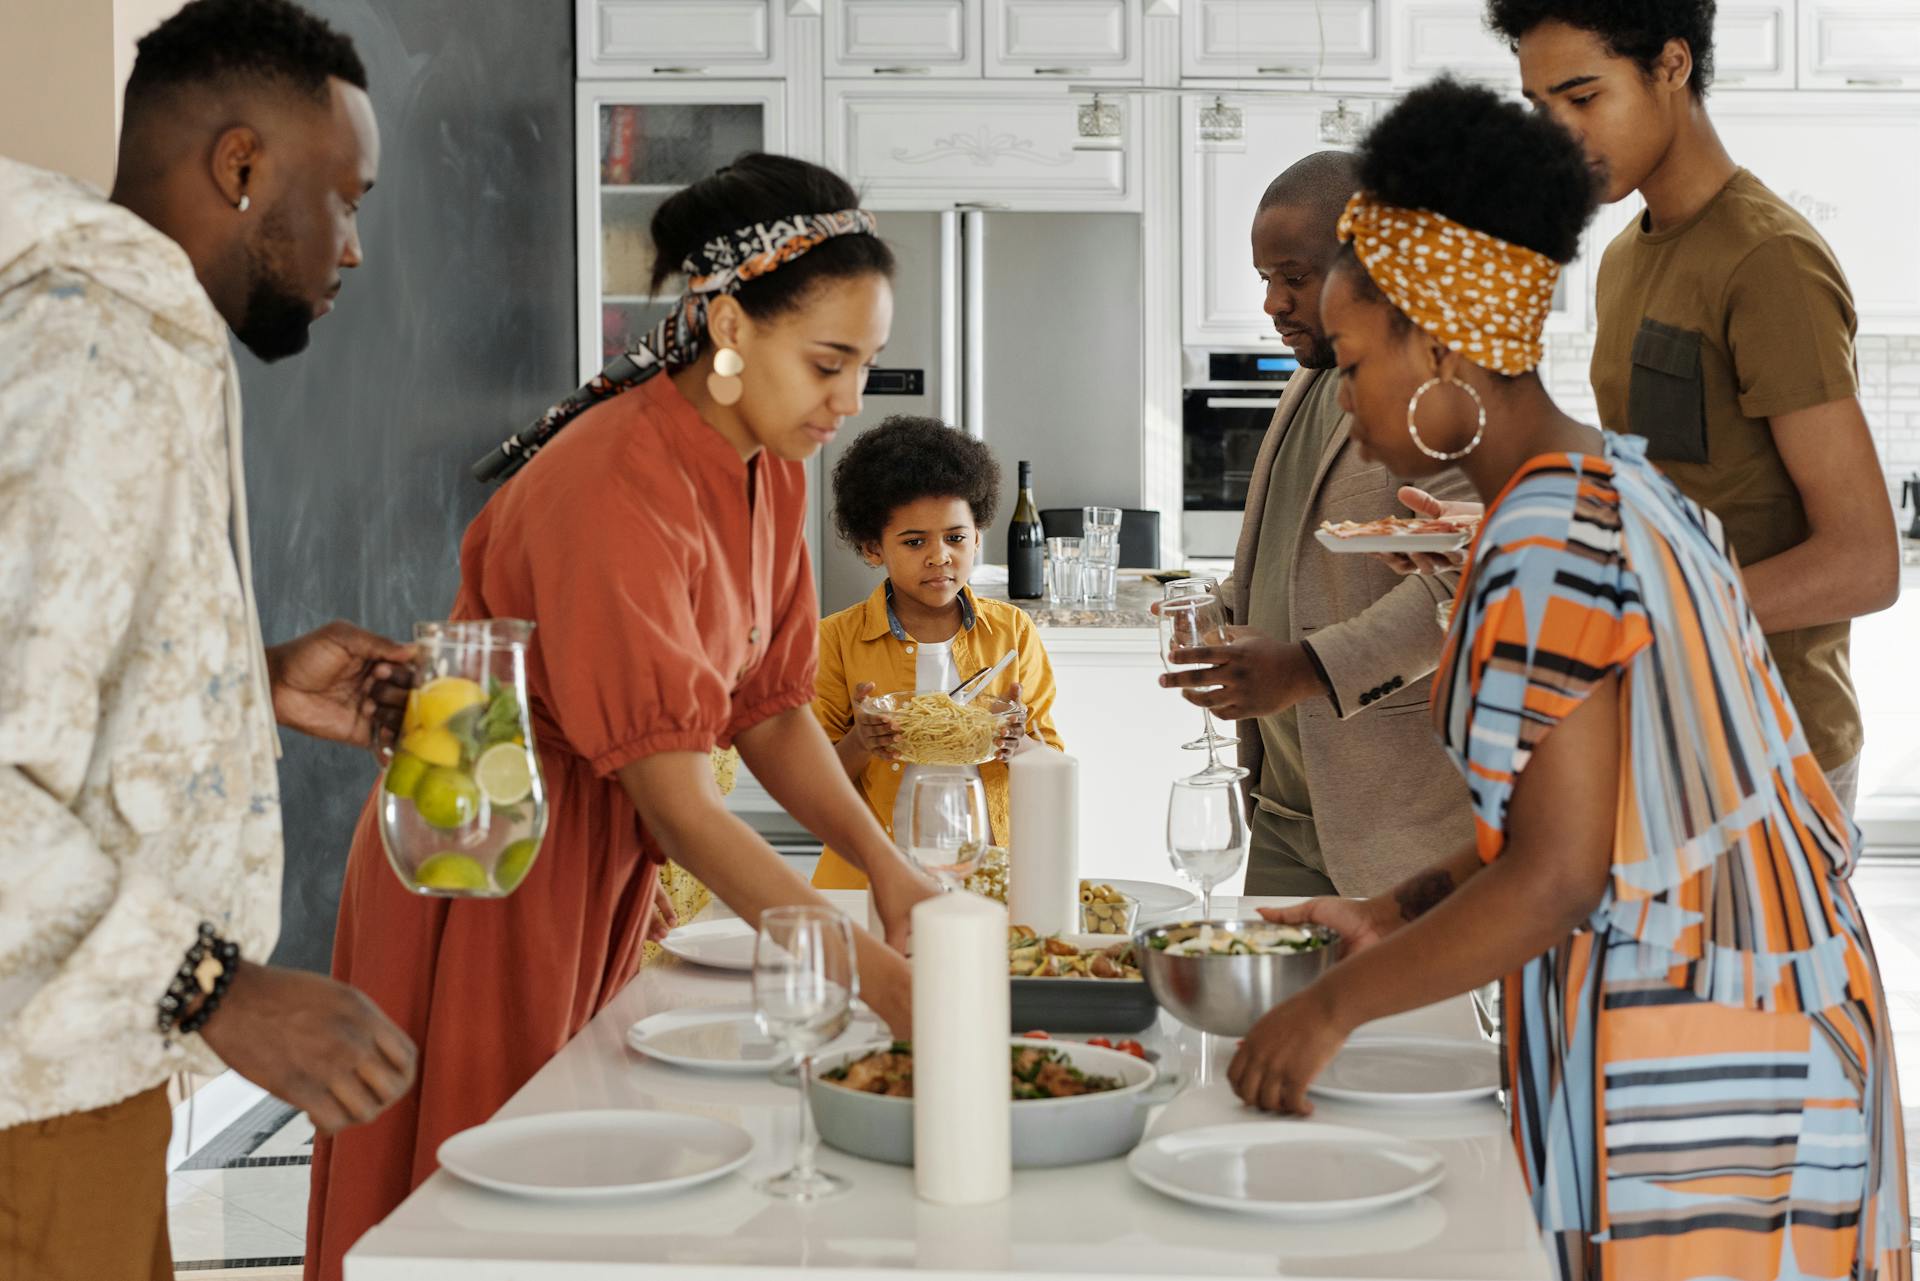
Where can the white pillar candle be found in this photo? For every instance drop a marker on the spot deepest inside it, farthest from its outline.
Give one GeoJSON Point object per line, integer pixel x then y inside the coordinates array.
{"type": "Point", "coordinates": [1043, 859]}
{"type": "Point", "coordinates": [962, 1103]}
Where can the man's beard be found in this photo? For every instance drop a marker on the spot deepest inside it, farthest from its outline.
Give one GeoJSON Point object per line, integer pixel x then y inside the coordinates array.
{"type": "Point", "coordinates": [1318, 353]}
{"type": "Point", "coordinates": [277, 319]}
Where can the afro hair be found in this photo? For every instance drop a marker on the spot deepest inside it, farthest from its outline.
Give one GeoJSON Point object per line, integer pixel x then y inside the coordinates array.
{"type": "Point", "coordinates": [903, 460]}
{"type": "Point", "coordinates": [1483, 161]}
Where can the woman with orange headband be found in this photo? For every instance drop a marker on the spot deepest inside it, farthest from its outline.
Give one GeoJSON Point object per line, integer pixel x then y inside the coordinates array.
{"type": "Point", "coordinates": [1699, 1063]}
{"type": "Point", "coordinates": [652, 529]}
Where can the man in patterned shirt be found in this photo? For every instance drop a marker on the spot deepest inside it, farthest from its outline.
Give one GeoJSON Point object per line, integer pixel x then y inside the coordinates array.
{"type": "Point", "coordinates": [141, 838]}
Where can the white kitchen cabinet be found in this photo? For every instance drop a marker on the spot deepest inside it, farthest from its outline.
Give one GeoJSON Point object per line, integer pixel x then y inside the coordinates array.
{"type": "Point", "coordinates": [1283, 39]}
{"type": "Point", "coordinates": [629, 39]}
{"type": "Point", "coordinates": [1430, 37]}
{"type": "Point", "coordinates": [639, 142]}
{"type": "Point", "coordinates": [1753, 45]}
{"type": "Point", "coordinates": [986, 143]}
{"type": "Point", "coordinates": [1063, 39]}
{"type": "Point", "coordinates": [1220, 187]}
{"type": "Point", "coordinates": [908, 39]}
{"type": "Point", "coordinates": [1867, 44]}
{"type": "Point", "coordinates": [1817, 150]}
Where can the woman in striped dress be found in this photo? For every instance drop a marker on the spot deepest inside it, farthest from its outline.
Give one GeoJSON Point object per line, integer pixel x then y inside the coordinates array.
{"type": "Point", "coordinates": [1700, 1068]}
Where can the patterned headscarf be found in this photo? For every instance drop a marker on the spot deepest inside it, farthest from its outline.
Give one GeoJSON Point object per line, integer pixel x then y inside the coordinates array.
{"type": "Point", "coordinates": [721, 266]}
{"type": "Point", "coordinates": [1482, 296]}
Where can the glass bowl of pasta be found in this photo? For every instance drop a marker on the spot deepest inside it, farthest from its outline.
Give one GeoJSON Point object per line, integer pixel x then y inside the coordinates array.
{"type": "Point", "coordinates": [935, 730]}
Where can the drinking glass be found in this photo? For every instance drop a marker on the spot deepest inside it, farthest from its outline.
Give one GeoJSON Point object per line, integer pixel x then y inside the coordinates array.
{"type": "Point", "coordinates": [1100, 531]}
{"type": "Point", "coordinates": [1203, 586]}
{"type": "Point", "coordinates": [1206, 834]}
{"type": "Point", "coordinates": [1186, 622]}
{"type": "Point", "coordinates": [462, 805]}
{"type": "Point", "coordinates": [947, 828]}
{"type": "Point", "coordinates": [804, 981]}
{"type": "Point", "coordinates": [1066, 587]}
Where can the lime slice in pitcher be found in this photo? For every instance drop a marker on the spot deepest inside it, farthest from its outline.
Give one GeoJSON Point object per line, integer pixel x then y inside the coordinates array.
{"type": "Point", "coordinates": [513, 864]}
{"type": "Point", "coordinates": [451, 872]}
{"type": "Point", "coordinates": [404, 774]}
{"type": "Point", "coordinates": [446, 798]}
{"type": "Point", "coordinates": [504, 774]}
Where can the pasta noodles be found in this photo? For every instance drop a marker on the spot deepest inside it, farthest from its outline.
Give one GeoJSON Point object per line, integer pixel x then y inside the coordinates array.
{"type": "Point", "coordinates": [935, 730]}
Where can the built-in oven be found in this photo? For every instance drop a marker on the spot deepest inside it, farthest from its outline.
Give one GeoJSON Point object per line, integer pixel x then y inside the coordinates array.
{"type": "Point", "coordinates": [1228, 404]}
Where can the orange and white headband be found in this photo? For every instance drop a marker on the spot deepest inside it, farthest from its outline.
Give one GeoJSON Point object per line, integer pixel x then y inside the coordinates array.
{"type": "Point", "coordinates": [1482, 296]}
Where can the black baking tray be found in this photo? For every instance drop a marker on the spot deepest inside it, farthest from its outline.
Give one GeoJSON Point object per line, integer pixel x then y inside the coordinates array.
{"type": "Point", "coordinates": [1082, 1005]}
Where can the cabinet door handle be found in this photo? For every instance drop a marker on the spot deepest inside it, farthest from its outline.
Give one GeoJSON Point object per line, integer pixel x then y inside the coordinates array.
{"type": "Point", "coordinates": [1875, 82]}
{"type": "Point", "coordinates": [1062, 71]}
{"type": "Point", "coordinates": [903, 71]}
{"type": "Point", "coordinates": [679, 71]}
{"type": "Point", "coordinates": [1284, 71]}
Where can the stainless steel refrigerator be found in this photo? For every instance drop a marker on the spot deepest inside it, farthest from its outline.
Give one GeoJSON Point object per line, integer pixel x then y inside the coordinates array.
{"type": "Point", "coordinates": [1024, 330]}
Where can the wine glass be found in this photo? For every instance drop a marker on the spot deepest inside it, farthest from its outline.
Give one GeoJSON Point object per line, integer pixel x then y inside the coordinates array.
{"type": "Point", "coordinates": [804, 982]}
{"type": "Point", "coordinates": [1187, 621]}
{"type": "Point", "coordinates": [1206, 834]}
{"type": "Point", "coordinates": [1200, 586]}
{"type": "Point", "coordinates": [947, 829]}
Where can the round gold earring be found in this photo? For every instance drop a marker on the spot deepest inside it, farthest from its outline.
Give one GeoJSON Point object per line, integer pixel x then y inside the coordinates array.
{"type": "Point", "coordinates": [723, 384]}
{"type": "Point", "coordinates": [1413, 430]}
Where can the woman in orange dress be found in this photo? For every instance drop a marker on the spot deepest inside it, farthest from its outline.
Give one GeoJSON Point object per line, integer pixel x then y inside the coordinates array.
{"type": "Point", "coordinates": [657, 544]}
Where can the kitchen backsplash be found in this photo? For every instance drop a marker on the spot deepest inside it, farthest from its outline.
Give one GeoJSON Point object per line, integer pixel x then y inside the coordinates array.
{"type": "Point", "coordinates": [1889, 391]}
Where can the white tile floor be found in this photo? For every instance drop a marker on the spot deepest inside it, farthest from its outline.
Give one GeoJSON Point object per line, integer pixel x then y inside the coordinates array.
{"type": "Point", "coordinates": [231, 1222]}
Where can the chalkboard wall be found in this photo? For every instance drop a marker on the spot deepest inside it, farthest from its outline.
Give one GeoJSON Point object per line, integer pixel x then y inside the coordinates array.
{"type": "Point", "coordinates": [458, 328]}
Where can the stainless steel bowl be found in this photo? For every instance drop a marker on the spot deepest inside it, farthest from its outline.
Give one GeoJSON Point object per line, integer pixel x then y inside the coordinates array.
{"type": "Point", "coordinates": [1226, 995]}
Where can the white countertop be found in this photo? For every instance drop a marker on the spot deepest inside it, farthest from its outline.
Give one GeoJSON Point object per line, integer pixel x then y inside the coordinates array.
{"type": "Point", "coordinates": [1083, 1220]}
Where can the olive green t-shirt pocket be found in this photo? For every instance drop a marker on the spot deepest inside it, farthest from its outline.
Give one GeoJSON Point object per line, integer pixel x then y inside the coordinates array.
{"type": "Point", "coordinates": [1666, 400]}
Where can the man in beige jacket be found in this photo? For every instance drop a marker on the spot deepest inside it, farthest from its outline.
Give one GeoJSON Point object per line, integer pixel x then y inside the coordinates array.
{"type": "Point", "coordinates": [141, 848]}
{"type": "Point", "coordinates": [1327, 668]}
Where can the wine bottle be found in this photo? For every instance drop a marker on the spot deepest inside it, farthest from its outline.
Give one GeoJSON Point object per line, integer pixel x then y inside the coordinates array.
{"type": "Point", "coordinates": [1025, 543]}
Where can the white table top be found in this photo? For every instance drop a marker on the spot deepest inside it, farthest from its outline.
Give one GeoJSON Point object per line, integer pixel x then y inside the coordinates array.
{"type": "Point", "coordinates": [1091, 1219]}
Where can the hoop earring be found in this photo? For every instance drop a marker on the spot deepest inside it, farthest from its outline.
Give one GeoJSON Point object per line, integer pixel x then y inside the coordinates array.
{"type": "Point", "coordinates": [1413, 430]}
{"type": "Point", "coordinates": [723, 384]}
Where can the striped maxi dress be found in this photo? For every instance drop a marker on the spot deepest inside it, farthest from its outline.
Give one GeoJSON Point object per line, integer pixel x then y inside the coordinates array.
{"type": "Point", "coordinates": [1701, 1078]}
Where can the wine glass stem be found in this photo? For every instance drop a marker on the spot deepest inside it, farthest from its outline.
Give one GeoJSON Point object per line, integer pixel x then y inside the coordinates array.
{"type": "Point", "coordinates": [803, 1154]}
{"type": "Point", "coordinates": [1206, 902]}
{"type": "Point", "coordinates": [1213, 741]}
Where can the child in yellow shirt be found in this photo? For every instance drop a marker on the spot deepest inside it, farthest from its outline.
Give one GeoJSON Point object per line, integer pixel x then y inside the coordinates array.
{"type": "Point", "coordinates": [912, 495]}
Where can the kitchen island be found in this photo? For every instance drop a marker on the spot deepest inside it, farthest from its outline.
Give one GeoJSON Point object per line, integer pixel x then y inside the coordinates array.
{"type": "Point", "coordinates": [1090, 1220]}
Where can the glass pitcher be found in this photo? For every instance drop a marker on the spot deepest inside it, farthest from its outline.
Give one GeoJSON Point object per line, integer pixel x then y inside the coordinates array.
{"type": "Point", "coordinates": [462, 803]}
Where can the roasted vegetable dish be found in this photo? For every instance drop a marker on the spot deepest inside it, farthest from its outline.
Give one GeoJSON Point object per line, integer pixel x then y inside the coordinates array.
{"type": "Point", "coordinates": [1038, 1072]}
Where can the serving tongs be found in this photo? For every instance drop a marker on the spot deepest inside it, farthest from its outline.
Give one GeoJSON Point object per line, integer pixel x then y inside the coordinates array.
{"type": "Point", "coordinates": [968, 689]}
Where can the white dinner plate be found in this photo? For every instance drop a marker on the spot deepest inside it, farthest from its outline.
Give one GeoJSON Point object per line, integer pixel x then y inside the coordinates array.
{"type": "Point", "coordinates": [1287, 1169]}
{"type": "Point", "coordinates": [604, 1153]}
{"type": "Point", "coordinates": [726, 1038]}
{"type": "Point", "coordinates": [1374, 544]}
{"type": "Point", "coordinates": [1156, 900]}
{"type": "Point", "coordinates": [1410, 1071]}
{"type": "Point", "coordinates": [726, 944]}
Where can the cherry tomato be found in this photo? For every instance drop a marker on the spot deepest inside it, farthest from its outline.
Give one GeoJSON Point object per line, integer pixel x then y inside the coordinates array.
{"type": "Point", "coordinates": [1036, 1036]}
{"type": "Point", "coordinates": [1100, 1041]}
{"type": "Point", "coordinates": [1134, 1048]}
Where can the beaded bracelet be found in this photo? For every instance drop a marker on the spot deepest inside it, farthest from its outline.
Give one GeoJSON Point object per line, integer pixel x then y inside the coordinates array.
{"type": "Point", "coordinates": [207, 972]}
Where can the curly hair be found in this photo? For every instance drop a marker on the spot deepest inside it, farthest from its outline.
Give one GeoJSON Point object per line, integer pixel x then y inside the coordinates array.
{"type": "Point", "coordinates": [904, 459]}
{"type": "Point", "coordinates": [1483, 161]}
{"type": "Point", "coordinates": [231, 42]}
{"type": "Point", "coordinates": [1635, 29]}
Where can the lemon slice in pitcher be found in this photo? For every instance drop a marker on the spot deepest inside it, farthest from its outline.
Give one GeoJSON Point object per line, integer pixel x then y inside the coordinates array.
{"type": "Point", "coordinates": [503, 774]}
{"type": "Point", "coordinates": [439, 701]}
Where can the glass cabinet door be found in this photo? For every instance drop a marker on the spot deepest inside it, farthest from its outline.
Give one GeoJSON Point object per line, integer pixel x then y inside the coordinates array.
{"type": "Point", "coordinates": [641, 143]}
